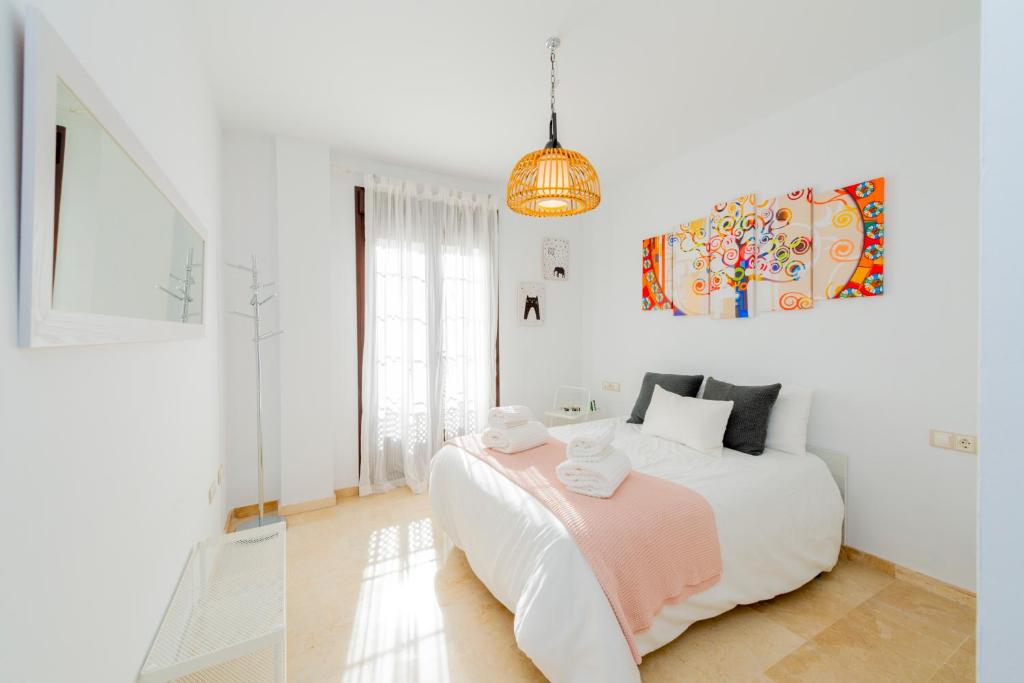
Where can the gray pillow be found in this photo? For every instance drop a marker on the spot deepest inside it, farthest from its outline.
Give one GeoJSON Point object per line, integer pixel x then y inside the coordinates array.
{"type": "Point", "coordinates": [683, 385]}
{"type": "Point", "coordinates": [748, 424]}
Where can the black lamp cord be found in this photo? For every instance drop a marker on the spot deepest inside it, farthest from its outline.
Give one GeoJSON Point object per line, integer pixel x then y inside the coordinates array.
{"type": "Point", "coordinates": [553, 125]}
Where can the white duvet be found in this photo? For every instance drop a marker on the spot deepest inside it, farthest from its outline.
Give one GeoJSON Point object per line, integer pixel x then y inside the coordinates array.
{"type": "Point", "coordinates": [779, 518]}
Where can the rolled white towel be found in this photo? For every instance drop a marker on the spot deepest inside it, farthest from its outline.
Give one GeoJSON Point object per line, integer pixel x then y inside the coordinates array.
{"type": "Point", "coordinates": [504, 417]}
{"type": "Point", "coordinates": [592, 447]}
{"type": "Point", "coordinates": [599, 479]}
{"type": "Point", "coordinates": [515, 439]}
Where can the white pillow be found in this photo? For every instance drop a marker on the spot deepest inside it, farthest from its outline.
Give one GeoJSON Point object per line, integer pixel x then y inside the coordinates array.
{"type": "Point", "coordinates": [692, 422]}
{"type": "Point", "coordinates": [787, 423]}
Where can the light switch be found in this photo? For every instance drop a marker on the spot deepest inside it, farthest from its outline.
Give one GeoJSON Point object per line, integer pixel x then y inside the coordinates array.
{"type": "Point", "coordinates": [940, 439]}
{"type": "Point", "coordinates": [610, 386]}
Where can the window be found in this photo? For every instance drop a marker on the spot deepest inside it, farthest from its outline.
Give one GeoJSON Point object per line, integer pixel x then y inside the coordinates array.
{"type": "Point", "coordinates": [428, 327]}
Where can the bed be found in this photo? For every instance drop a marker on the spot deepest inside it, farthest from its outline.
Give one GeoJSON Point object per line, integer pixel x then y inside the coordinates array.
{"type": "Point", "coordinates": [779, 520]}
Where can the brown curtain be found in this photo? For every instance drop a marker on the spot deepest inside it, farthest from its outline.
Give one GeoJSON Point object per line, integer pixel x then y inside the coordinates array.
{"type": "Point", "coordinates": [360, 308]}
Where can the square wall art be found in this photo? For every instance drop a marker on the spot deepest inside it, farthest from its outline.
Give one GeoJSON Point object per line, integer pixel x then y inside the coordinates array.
{"type": "Point", "coordinates": [555, 258]}
{"type": "Point", "coordinates": [687, 265]}
{"type": "Point", "coordinates": [782, 272]}
{"type": "Point", "coordinates": [731, 251]}
{"type": "Point", "coordinates": [654, 274]}
{"type": "Point", "coordinates": [532, 304]}
{"type": "Point", "coordinates": [849, 241]}
{"type": "Point", "coordinates": [675, 270]}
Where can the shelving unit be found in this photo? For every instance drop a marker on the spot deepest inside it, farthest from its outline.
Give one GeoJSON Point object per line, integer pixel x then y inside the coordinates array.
{"type": "Point", "coordinates": [226, 621]}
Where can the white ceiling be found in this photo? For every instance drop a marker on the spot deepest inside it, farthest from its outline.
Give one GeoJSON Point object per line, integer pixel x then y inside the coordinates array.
{"type": "Point", "coordinates": [461, 86]}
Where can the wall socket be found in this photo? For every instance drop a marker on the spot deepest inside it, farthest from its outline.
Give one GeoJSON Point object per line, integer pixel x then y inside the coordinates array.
{"type": "Point", "coordinates": [212, 493]}
{"type": "Point", "coordinates": [965, 443]}
{"type": "Point", "coordinates": [610, 386]}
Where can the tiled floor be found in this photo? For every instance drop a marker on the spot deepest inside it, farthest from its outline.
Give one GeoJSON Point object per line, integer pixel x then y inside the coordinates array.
{"type": "Point", "coordinates": [375, 593]}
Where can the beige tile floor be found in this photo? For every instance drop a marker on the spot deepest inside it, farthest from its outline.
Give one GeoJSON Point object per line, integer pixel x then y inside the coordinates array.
{"type": "Point", "coordinates": [375, 593]}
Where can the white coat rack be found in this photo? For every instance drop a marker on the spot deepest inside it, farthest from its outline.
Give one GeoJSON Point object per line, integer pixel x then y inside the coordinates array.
{"type": "Point", "coordinates": [183, 286]}
{"type": "Point", "coordinates": [258, 337]}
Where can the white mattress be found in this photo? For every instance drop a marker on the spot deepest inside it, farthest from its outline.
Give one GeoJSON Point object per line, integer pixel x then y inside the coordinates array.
{"type": "Point", "coordinates": [779, 519]}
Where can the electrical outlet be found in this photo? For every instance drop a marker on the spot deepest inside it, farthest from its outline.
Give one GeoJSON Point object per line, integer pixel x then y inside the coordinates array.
{"type": "Point", "coordinates": [610, 386]}
{"type": "Point", "coordinates": [220, 475]}
{"type": "Point", "coordinates": [212, 492]}
{"type": "Point", "coordinates": [966, 443]}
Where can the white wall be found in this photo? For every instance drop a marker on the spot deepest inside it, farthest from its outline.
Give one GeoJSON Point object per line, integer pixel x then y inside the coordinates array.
{"type": "Point", "coordinates": [534, 360]}
{"type": "Point", "coordinates": [1000, 513]}
{"type": "Point", "coordinates": [106, 452]}
{"type": "Point", "coordinates": [343, 336]}
{"type": "Point", "coordinates": [886, 369]}
{"type": "Point", "coordinates": [306, 309]}
{"type": "Point", "coordinates": [250, 226]}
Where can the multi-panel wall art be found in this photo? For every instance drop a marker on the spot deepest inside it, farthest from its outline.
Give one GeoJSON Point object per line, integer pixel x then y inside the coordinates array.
{"type": "Point", "coordinates": [752, 256]}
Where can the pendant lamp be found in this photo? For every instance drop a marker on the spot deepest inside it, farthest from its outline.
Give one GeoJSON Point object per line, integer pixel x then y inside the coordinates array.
{"type": "Point", "coordinates": [553, 181]}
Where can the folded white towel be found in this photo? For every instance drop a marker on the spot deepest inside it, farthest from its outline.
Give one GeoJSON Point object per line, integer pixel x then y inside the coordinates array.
{"type": "Point", "coordinates": [592, 447]}
{"type": "Point", "coordinates": [608, 452]}
{"type": "Point", "coordinates": [504, 417]}
{"type": "Point", "coordinates": [599, 479]}
{"type": "Point", "coordinates": [515, 439]}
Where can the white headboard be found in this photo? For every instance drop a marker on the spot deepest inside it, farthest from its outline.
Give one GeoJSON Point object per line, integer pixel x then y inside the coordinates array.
{"type": "Point", "coordinates": [837, 465]}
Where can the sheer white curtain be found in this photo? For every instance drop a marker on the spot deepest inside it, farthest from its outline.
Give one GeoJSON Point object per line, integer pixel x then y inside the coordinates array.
{"type": "Point", "coordinates": [431, 326]}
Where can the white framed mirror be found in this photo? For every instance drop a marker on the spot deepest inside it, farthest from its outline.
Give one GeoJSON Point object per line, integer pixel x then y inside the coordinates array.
{"type": "Point", "coordinates": [110, 251]}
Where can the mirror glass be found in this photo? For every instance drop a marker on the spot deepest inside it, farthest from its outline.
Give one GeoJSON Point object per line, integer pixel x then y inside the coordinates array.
{"type": "Point", "coordinates": [120, 246]}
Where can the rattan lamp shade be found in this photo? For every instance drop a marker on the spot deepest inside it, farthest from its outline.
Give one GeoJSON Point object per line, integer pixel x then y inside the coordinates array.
{"type": "Point", "coordinates": [553, 182]}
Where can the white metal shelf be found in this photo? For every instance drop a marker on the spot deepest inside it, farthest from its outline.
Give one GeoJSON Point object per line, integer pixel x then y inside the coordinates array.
{"type": "Point", "coordinates": [226, 620]}
{"type": "Point", "coordinates": [570, 396]}
{"type": "Point", "coordinates": [564, 415]}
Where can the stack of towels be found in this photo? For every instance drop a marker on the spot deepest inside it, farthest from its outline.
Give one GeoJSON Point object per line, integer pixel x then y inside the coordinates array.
{"type": "Point", "coordinates": [511, 429]}
{"type": "Point", "coordinates": [594, 467]}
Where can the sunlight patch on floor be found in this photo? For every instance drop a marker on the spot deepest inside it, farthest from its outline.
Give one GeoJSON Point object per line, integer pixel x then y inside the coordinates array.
{"type": "Point", "coordinates": [398, 634]}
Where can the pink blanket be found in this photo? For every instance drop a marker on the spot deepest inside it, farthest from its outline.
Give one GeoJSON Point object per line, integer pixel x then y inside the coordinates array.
{"type": "Point", "coordinates": [652, 542]}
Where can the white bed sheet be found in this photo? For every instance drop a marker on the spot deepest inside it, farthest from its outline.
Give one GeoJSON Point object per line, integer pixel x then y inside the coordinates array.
{"type": "Point", "coordinates": [779, 519]}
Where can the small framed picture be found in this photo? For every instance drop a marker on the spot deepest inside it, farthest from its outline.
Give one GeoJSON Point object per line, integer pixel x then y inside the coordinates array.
{"type": "Point", "coordinates": [555, 258]}
{"type": "Point", "coordinates": [532, 304]}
